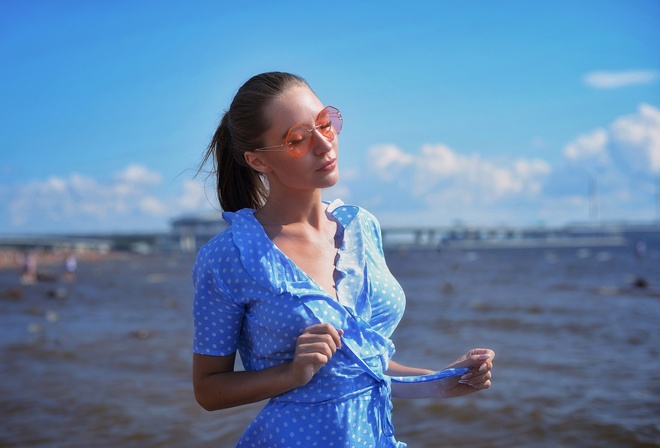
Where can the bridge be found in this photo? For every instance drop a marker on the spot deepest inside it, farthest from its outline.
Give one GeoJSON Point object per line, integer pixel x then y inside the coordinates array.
{"type": "Point", "coordinates": [612, 234]}
{"type": "Point", "coordinates": [56, 242]}
{"type": "Point", "coordinates": [459, 236]}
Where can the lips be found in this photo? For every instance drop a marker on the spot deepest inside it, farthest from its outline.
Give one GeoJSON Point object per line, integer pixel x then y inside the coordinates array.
{"type": "Point", "coordinates": [329, 166]}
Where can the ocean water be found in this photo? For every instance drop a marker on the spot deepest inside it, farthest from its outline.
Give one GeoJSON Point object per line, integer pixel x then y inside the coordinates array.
{"type": "Point", "coordinates": [105, 361]}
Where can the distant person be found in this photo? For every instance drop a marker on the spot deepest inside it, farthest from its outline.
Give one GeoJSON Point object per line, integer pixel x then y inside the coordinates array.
{"type": "Point", "coordinates": [300, 287]}
{"type": "Point", "coordinates": [640, 250]}
{"type": "Point", "coordinates": [70, 266]}
{"type": "Point", "coordinates": [29, 271]}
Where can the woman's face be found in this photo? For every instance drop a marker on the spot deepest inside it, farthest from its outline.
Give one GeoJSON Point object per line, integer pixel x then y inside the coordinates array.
{"type": "Point", "coordinates": [318, 167]}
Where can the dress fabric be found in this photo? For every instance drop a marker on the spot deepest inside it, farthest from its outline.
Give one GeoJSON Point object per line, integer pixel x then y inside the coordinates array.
{"type": "Point", "coordinates": [251, 298]}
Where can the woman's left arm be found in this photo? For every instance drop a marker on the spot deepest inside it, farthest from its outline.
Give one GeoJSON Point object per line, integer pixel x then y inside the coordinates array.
{"type": "Point", "coordinates": [478, 360]}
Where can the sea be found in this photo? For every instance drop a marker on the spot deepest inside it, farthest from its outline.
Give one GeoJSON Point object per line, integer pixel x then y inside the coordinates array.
{"type": "Point", "coordinates": [105, 360]}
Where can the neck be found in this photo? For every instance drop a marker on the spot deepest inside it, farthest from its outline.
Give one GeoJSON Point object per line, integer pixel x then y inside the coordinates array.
{"type": "Point", "coordinates": [303, 208]}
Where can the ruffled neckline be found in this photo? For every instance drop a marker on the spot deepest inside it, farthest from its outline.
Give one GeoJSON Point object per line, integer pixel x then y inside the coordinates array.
{"type": "Point", "coordinates": [266, 264]}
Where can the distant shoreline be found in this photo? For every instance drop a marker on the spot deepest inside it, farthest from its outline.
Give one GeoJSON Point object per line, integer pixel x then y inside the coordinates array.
{"type": "Point", "coordinates": [12, 258]}
{"type": "Point", "coordinates": [52, 249]}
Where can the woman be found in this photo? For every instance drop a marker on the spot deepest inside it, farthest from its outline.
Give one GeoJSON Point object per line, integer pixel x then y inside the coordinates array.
{"type": "Point", "coordinates": [300, 287]}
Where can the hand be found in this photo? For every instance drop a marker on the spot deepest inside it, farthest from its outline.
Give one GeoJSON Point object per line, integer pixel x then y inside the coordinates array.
{"type": "Point", "coordinates": [314, 348]}
{"type": "Point", "coordinates": [480, 363]}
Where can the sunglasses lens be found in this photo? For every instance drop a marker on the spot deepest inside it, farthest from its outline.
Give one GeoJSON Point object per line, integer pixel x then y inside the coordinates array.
{"type": "Point", "coordinates": [334, 116]}
{"type": "Point", "coordinates": [297, 140]}
{"type": "Point", "coordinates": [328, 123]}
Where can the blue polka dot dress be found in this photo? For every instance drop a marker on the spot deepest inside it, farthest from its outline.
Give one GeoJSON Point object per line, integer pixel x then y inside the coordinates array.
{"type": "Point", "coordinates": [250, 297]}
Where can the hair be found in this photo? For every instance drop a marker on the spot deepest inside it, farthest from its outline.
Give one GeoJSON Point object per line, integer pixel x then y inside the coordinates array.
{"type": "Point", "coordinates": [241, 129]}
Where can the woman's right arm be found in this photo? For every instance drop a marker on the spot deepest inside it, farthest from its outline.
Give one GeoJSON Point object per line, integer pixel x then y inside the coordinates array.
{"type": "Point", "coordinates": [218, 386]}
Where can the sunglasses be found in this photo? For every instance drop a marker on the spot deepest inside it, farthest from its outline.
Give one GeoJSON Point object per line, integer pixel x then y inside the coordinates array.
{"type": "Point", "coordinates": [299, 137]}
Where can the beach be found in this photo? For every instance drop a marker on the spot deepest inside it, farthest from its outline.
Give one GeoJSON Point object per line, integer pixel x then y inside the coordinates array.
{"type": "Point", "coordinates": [104, 359]}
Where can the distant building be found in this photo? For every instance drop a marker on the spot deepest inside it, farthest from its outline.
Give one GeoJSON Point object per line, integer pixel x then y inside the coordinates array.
{"type": "Point", "coordinates": [188, 234]}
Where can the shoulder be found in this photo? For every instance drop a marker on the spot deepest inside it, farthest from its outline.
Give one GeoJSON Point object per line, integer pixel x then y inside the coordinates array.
{"type": "Point", "coordinates": [359, 224]}
{"type": "Point", "coordinates": [347, 214]}
{"type": "Point", "coordinates": [217, 246]}
{"type": "Point", "coordinates": [240, 224]}
{"type": "Point", "coordinates": [217, 257]}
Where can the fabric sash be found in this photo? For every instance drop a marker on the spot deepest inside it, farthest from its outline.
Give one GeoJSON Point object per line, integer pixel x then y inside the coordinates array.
{"type": "Point", "coordinates": [369, 350]}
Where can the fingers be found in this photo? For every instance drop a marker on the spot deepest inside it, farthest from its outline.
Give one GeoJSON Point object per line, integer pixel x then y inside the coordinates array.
{"type": "Point", "coordinates": [481, 354]}
{"type": "Point", "coordinates": [481, 358]}
{"type": "Point", "coordinates": [478, 380]}
{"type": "Point", "coordinates": [314, 348]}
{"type": "Point", "coordinates": [326, 329]}
{"type": "Point", "coordinates": [324, 339]}
{"type": "Point", "coordinates": [480, 375]}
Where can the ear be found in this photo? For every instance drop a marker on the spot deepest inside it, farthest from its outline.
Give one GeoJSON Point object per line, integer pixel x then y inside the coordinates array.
{"type": "Point", "coordinates": [256, 162]}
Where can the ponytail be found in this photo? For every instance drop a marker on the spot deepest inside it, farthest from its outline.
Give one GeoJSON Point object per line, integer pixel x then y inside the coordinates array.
{"type": "Point", "coordinates": [237, 184]}
{"type": "Point", "coordinates": [240, 130]}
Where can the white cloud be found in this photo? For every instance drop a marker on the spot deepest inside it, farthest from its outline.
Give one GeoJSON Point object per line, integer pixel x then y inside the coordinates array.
{"type": "Point", "coordinates": [194, 196]}
{"type": "Point", "coordinates": [438, 184]}
{"type": "Point", "coordinates": [439, 174]}
{"type": "Point", "coordinates": [637, 137]}
{"type": "Point", "coordinates": [68, 201]}
{"type": "Point", "coordinates": [591, 146]}
{"type": "Point", "coordinates": [632, 140]}
{"type": "Point", "coordinates": [388, 160]}
{"type": "Point", "coordinates": [138, 175]}
{"type": "Point", "coordinates": [55, 184]}
{"type": "Point", "coordinates": [433, 185]}
{"type": "Point", "coordinates": [441, 160]}
{"type": "Point", "coordinates": [153, 206]}
{"type": "Point", "coordinates": [615, 80]}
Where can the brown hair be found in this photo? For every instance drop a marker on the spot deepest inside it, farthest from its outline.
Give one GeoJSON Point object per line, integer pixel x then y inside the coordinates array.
{"type": "Point", "coordinates": [241, 129]}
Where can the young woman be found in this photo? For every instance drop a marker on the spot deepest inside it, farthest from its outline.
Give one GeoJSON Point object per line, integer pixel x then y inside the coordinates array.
{"type": "Point", "coordinates": [299, 287]}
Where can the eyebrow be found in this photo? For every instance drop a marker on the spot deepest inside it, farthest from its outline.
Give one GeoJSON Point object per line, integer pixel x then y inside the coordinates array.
{"type": "Point", "coordinates": [318, 115]}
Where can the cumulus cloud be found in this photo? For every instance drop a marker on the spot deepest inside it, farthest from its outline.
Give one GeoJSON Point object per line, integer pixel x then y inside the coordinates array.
{"type": "Point", "coordinates": [637, 137]}
{"type": "Point", "coordinates": [439, 173]}
{"type": "Point", "coordinates": [194, 196]}
{"type": "Point", "coordinates": [388, 161]}
{"type": "Point", "coordinates": [629, 143]}
{"type": "Point", "coordinates": [153, 206]}
{"type": "Point", "coordinates": [75, 198]}
{"type": "Point", "coordinates": [615, 80]}
{"type": "Point", "coordinates": [621, 160]}
{"type": "Point", "coordinates": [439, 184]}
{"type": "Point", "coordinates": [138, 175]}
{"type": "Point", "coordinates": [591, 146]}
{"type": "Point", "coordinates": [431, 185]}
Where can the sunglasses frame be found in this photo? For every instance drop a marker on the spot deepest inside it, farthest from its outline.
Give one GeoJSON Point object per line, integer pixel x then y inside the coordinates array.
{"type": "Point", "coordinates": [332, 112]}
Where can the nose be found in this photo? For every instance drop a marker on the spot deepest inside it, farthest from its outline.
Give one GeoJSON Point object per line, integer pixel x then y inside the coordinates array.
{"type": "Point", "coordinates": [320, 143]}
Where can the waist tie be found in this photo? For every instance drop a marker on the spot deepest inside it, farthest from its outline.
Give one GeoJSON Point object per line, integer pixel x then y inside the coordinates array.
{"type": "Point", "coordinates": [384, 404]}
{"type": "Point", "coordinates": [447, 373]}
{"type": "Point", "coordinates": [361, 339]}
{"type": "Point", "coordinates": [384, 383]}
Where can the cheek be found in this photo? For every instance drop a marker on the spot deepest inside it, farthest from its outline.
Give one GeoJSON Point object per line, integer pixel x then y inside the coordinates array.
{"type": "Point", "coordinates": [289, 168]}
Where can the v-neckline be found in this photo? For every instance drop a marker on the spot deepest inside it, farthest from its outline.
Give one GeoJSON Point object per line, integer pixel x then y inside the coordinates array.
{"type": "Point", "coordinates": [336, 273]}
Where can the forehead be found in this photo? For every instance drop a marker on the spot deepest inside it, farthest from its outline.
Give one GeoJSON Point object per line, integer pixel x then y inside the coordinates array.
{"type": "Point", "coordinates": [296, 105]}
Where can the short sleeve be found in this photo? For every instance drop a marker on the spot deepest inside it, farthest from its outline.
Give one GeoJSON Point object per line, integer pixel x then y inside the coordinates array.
{"type": "Point", "coordinates": [372, 229]}
{"type": "Point", "coordinates": [217, 317]}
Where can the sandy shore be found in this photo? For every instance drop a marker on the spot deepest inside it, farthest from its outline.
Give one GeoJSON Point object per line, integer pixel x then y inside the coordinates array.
{"type": "Point", "coordinates": [50, 260]}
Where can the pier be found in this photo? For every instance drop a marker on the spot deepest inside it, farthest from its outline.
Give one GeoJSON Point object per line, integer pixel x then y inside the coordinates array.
{"type": "Point", "coordinates": [187, 235]}
{"type": "Point", "coordinates": [483, 237]}
{"type": "Point", "coordinates": [57, 243]}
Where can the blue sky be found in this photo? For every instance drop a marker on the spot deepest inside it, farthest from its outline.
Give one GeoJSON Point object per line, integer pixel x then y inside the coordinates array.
{"type": "Point", "coordinates": [471, 112]}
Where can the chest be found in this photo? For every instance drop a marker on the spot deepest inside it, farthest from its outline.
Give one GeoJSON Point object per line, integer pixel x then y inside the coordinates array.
{"type": "Point", "coordinates": [316, 259]}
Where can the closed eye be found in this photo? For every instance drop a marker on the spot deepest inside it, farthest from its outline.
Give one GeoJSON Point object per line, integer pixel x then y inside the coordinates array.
{"type": "Point", "coordinates": [297, 141]}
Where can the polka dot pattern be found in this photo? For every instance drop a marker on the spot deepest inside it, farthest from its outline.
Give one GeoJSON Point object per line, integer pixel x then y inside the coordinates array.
{"type": "Point", "coordinates": [250, 297]}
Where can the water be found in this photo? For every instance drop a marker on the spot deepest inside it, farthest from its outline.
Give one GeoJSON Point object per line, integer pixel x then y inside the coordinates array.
{"type": "Point", "coordinates": [106, 360]}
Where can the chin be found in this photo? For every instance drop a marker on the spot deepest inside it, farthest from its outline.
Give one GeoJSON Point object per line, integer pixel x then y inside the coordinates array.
{"type": "Point", "coordinates": [332, 179]}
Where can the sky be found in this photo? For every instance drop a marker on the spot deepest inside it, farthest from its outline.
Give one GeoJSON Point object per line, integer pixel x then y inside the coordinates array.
{"type": "Point", "coordinates": [515, 113]}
